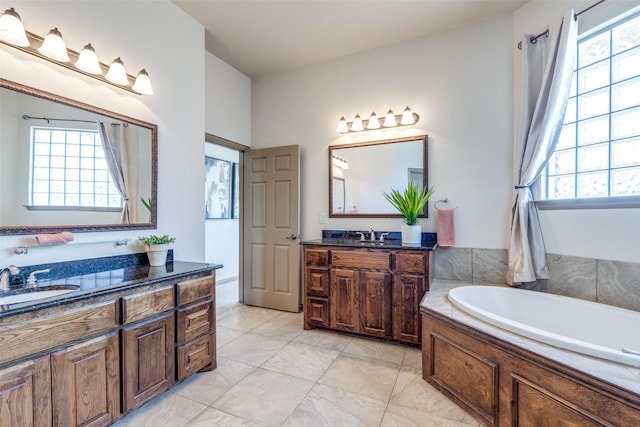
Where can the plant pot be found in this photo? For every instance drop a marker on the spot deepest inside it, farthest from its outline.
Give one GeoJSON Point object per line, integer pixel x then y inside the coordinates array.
{"type": "Point", "coordinates": [411, 234]}
{"type": "Point", "coordinates": [157, 254]}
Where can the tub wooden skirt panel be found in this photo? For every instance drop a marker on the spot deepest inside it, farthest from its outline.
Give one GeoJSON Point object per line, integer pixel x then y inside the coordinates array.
{"type": "Point", "coordinates": [503, 385]}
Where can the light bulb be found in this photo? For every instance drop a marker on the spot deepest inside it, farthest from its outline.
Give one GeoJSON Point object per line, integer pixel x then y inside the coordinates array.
{"type": "Point", "coordinates": [142, 84]}
{"type": "Point", "coordinates": [407, 117]}
{"type": "Point", "coordinates": [342, 126]}
{"type": "Point", "coordinates": [117, 73]}
{"type": "Point", "coordinates": [373, 122]}
{"type": "Point", "coordinates": [53, 46]}
{"type": "Point", "coordinates": [356, 125]}
{"type": "Point", "coordinates": [390, 120]}
{"type": "Point", "coordinates": [88, 60]}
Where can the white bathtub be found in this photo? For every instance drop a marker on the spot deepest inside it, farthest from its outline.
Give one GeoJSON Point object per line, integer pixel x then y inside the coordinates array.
{"type": "Point", "coordinates": [586, 327]}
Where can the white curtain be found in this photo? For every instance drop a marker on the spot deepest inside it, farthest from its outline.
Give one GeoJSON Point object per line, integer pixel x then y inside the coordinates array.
{"type": "Point", "coordinates": [546, 84]}
{"type": "Point", "coordinates": [116, 156]}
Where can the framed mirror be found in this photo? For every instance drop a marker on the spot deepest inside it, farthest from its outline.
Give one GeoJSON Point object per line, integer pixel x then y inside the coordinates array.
{"type": "Point", "coordinates": [360, 173]}
{"type": "Point", "coordinates": [61, 170]}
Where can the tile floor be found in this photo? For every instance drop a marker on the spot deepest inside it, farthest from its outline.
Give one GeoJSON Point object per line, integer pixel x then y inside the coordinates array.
{"type": "Point", "coordinates": [273, 373]}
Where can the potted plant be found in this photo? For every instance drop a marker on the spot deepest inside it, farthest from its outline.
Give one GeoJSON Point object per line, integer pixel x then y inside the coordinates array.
{"type": "Point", "coordinates": [410, 204]}
{"type": "Point", "coordinates": [157, 248]}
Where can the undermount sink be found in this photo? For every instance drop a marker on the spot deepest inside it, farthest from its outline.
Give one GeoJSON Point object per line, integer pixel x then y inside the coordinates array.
{"type": "Point", "coordinates": [29, 294]}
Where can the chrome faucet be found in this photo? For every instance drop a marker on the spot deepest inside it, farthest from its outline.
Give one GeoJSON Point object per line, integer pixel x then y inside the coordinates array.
{"type": "Point", "coordinates": [372, 235]}
{"type": "Point", "coordinates": [5, 276]}
{"type": "Point", "coordinates": [32, 279]}
{"type": "Point", "coordinates": [382, 236]}
{"type": "Point", "coordinates": [362, 238]}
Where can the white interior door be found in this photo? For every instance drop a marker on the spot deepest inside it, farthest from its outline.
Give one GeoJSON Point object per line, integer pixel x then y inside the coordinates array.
{"type": "Point", "coordinates": [271, 228]}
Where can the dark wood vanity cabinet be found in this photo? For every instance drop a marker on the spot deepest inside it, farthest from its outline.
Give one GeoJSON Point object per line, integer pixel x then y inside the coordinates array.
{"type": "Point", "coordinates": [375, 292]}
{"type": "Point", "coordinates": [86, 366]}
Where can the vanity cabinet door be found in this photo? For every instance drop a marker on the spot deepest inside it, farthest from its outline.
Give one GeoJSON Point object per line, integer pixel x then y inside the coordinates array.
{"type": "Point", "coordinates": [148, 360]}
{"type": "Point", "coordinates": [375, 303]}
{"type": "Point", "coordinates": [25, 394]}
{"type": "Point", "coordinates": [344, 308]}
{"type": "Point", "coordinates": [86, 383]}
{"type": "Point", "coordinates": [408, 290]}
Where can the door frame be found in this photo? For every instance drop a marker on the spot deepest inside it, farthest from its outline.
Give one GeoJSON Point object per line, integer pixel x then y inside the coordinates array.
{"type": "Point", "coordinates": [218, 140]}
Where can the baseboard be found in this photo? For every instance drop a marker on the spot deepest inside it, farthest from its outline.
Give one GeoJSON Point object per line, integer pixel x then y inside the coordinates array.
{"type": "Point", "coordinates": [226, 280]}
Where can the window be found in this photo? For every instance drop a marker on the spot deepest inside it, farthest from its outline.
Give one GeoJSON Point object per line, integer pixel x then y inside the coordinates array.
{"type": "Point", "coordinates": [68, 169]}
{"type": "Point", "coordinates": [598, 152]}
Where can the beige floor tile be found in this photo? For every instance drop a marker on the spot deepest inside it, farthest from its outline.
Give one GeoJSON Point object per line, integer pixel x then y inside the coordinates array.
{"type": "Point", "coordinates": [206, 387]}
{"type": "Point", "coordinates": [377, 350]}
{"type": "Point", "coordinates": [362, 375]}
{"type": "Point", "coordinates": [252, 349]}
{"type": "Point", "coordinates": [169, 409]}
{"type": "Point", "coordinates": [399, 416]}
{"type": "Point", "coordinates": [213, 418]}
{"type": "Point", "coordinates": [331, 407]}
{"type": "Point", "coordinates": [323, 339]}
{"type": "Point", "coordinates": [412, 392]}
{"type": "Point", "coordinates": [225, 335]}
{"type": "Point", "coordinates": [242, 320]}
{"type": "Point", "coordinates": [413, 358]}
{"type": "Point", "coordinates": [280, 327]}
{"type": "Point", "coordinates": [301, 361]}
{"type": "Point", "coordinates": [264, 397]}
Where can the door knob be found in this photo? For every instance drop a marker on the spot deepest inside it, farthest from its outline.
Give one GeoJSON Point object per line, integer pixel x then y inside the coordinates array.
{"type": "Point", "coordinates": [293, 237]}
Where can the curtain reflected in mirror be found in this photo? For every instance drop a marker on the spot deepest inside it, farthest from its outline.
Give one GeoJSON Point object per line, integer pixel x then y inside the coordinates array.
{"type": "Point", "coordinates": [72, 166]}
{"type": "Point", "coordinates": [360, 173]}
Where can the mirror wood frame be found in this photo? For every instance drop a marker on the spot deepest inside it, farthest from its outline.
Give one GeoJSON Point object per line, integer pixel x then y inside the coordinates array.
{"type": "Point", "coordinates": [22, 230]}
{"type": "Point", "coordinates": [425, 142]}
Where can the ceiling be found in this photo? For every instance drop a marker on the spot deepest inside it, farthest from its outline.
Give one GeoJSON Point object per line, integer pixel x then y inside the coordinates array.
{"type": "Point", "coordinates": [261, 37]}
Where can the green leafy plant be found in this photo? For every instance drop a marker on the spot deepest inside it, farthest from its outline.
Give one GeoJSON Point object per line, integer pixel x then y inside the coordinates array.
{"type": "Point", "coordinates": [410, 203]}
{"type": "Point", "coordinates": [157, 240]}
{"type": "Point", "coordinates": [147, 203]}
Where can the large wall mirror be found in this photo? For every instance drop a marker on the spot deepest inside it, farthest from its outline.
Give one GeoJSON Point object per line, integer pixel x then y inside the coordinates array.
{"type": "Point", "coordinates": [62, 171]}
{"type": "Point", "coordinates": [360, 173]}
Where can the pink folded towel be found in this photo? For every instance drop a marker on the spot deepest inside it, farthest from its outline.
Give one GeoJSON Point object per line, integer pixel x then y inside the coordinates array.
{"type": "Point", "coordinates": [54, 239]}
{"type": "Point", "coordinates": [446, 227]}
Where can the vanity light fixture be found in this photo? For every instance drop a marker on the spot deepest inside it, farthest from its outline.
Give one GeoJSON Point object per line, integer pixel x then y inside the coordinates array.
{"type": "Point", "coordinates": [52, 48]}
{"type": "Point", "coordinates": [407, 118]}
{"type": "Point", "coordinates": [11, 29]}
{"type": "Point", "coordinates": [339, 163]}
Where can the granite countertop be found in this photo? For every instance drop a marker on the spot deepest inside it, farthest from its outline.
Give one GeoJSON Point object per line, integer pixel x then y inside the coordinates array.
{"type": "Point", "coordinates": [626, 377]}
{"type": "Point", "coordinates": [352, 239]}
{"type": "Point", "coordinates": [99, 277]}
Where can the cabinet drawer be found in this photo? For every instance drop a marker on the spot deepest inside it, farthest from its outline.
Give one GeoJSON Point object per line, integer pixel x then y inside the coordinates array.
{"type": "Point", "coordinates": [195, 355]}
{"type": "Point", "coordinates": [146, 304]}
{"type": "Point", "coordinates": [192, 290]}
{"type": "Point", "coordinates": [411, 262]}
{"type": "Point", "coordinates": [194, 320]}
{"type": "Point", "coordinates": [316, 282]}
{"type": "Point", "coordinates": [316, 257]}
{"type": "Point", "coordinates": [361, 259]}
{"type": "Point", "coordinates": [316, 312]}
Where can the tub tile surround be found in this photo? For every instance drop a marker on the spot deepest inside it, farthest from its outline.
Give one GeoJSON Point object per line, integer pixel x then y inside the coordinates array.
{"type": "Point", "coordinates": [604, 281]}
{"type": "Point", "coordinates": [617, 374]}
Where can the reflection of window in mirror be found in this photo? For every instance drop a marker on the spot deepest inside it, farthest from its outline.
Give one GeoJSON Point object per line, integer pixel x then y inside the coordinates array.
{"type": "Point", "coordinates": [338, 196]}
{"type": "Point", "coordinates": [69, 169]}
{"type": "Point", "coordinates": [415, 176]}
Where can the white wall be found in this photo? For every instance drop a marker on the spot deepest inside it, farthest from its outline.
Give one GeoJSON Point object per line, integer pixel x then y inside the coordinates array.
{"type": "Point", "coordinates": [228, 101]}
{"type": "Point", "coordinates": [459, 82]}
{"type": "Point", "coordinates": [137, 32]}
{"type": "Point", "coordinates": [594, 233]}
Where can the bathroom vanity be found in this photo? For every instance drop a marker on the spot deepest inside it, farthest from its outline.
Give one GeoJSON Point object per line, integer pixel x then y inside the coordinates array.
{"type": "Point", "coordinates": [371, 288]}
{"type": "Point", "coordinates": [128, 334]}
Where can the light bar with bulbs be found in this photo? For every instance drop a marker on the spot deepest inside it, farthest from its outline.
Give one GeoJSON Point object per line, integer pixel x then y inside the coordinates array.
{"type": "Point", "coordinates": [52, 48]}
{"type": "Point", "coordinates": [373, 122]}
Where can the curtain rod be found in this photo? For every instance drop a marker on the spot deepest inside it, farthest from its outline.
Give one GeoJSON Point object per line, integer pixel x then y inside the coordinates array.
{"type": "Point", "coordinates": [48, 120]}
{"type": "Point", "coordinates": [534, 39]}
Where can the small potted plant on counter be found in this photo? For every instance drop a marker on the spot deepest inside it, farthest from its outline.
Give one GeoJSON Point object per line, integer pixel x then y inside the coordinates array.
{"type": "Point", "coordinates": [157, 248]}
{"type": "Point", "coordinates": [410, 204]}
